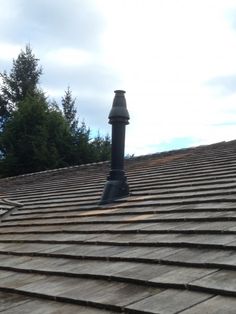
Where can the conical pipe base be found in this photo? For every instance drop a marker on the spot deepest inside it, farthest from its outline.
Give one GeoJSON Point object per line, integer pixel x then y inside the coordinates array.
{"type": "Point", "coordinates": [113, 190]}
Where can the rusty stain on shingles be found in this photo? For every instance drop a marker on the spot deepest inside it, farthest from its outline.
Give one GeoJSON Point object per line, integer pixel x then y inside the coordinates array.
{"type": "Point", "coordinates": [139, 217]}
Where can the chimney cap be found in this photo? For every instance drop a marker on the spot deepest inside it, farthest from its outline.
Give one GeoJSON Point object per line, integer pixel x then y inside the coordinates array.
{"type": "Point", "coordinates": [119, 110]}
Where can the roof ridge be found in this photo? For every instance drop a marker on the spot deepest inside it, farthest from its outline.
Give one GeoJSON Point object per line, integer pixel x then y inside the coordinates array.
{"type": "Point", "coordinates": [55, 170]}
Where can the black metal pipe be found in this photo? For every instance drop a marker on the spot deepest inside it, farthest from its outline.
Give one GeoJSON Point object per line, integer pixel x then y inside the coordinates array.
{"type": "Point", "coordinates": [118, 147]}
{"type": "Point", "coordinates": [116, 185]}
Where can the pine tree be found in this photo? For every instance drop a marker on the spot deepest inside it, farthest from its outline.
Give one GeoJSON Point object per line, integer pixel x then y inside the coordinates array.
{"type": "Point", "coordinates": [35, 134]}
{"type": "Point", "coordinates": [101, 148]}
{"type": "Point", "coordinates": [35, 138]}
{"type": "Point", "coordinates": [68, 105]}
{"type": "Point", "coordinates": [22, 80]}
{"type": "Point", "coordinates": [4, 111]}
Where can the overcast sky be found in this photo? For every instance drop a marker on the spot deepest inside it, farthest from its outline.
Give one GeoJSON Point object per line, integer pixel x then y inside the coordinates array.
{"type": "Point", "coordinates": [175, 59]}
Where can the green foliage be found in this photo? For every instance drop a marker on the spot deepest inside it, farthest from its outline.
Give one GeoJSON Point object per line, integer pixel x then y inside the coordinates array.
{"type": "Point", "coordinates": [35, 134]}
{"type": "Point", "coordinates": [101, 148]}
{"type": "Point", "coordinates": [22, 80]}
{"type": "Point", "coordinates": [69, 111]}
{"type": "Point", "coordinates": [34, 139]}
{"type": "Point", "coordinates": [4, 111]}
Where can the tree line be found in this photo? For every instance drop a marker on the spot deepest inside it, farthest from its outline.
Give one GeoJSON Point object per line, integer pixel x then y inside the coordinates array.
{"type": "Point", "coordinates": [36, 133]}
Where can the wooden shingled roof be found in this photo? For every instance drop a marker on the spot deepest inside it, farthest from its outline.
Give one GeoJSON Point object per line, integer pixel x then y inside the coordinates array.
{"type": "Point", "coordinates": [168, 248]}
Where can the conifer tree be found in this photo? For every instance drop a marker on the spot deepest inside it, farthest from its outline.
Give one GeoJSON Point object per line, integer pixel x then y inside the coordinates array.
{"type": "Point", "coordinates": [35, 134]}
{"type": "Point", "coordinates": [35, 138]}
{"type": "Point", "coordinates": [101, 147]}
{"type": "Point", "coordinates": [69, 110]}
{"type": "Point", "coordinates": [22, 80]}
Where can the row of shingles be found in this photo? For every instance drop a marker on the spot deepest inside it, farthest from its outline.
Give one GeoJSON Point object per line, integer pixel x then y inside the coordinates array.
{"type": "Point", "coordinates": [179, 160]}
{"type": "Point", "coordinates": [70, 183]}
{"type": "Point", "coordinates": [131, 227]}
{"type": "Point", "coordinates": [193, 298]}
{"type": "Point", "coordinates": [113, 222]}
{"type": "Point", "coordinates": [192, 213]}
{"type": "Point", "coordinates": [69, 191]}
{"type": "Point", "coordinates": [183, 215]}
{"type": "Point", "coordinates": [48, 278]}
{"type": "Point", "coordinates": [152, 304]}
{"type": "Point", "coordinates": [41, 186]}
{"type": "Point", "coordinates": [122, 268]}
{"type": "Point", "coordinates": [46, 197]}
{"type": "Point", "coordinates": [182, 174]}
{"type": "Point", "coordinates": [179, 157]}
{"type": "Point", "coordinates": [227, 239]}
{"type": "Point", "coordinates": [224, 242]}
{"type": "Point", "coordinates": [81, 180]}
{"type": "Point", "coordinates": [188, 165]}
{"type": "Point", "coordinates": [71, 195]}
{"type": "Point", "coordinates": [217, 184]}
{"type": "Point", "coordinates": [123, 274]}
{"type": "Point", "coordinates": [224, 192]}
{"type": "Point", "coordinates": [71, 217]}
{"type": "Point", "coordinates": [49, 282]}
{"type": "Point", "coordinates": [11, 282]}
{"type": "Point", "coordinates": [73, 173]}
{"type": "Point", "coordinates": [198, 168]}
{"type": "Point", "coordinates": [141, 173]}
{"type": "Point", "coordinates": [218, 279]}
{"type": "Point", "coordinates": [121, 297]}
{"type": "Point", "coordinates": [224, 165]}
{"type": "Point", "coordinates": [77, 290]}
{"type": "Point", "coordinates": [77, 179]}
{"type": "Point", "coordinates": [161, 276]}
{"type": "Point", "coordinates": [137, 188]}
{"type": "Point", "coordinates": [43, 181]}
{"type": "Point", "coordinates": [74, 216]}
{"type": "Point", "coordinates": [12, 303]}
{"type": "Point", "coordinates": [43, 193]}
{"type": "Point", "coordinates": [61, 182]}
{"type": "Point", "coordinates": [212, 280]}
{"type": "Point", "coordinates": [229, 215]}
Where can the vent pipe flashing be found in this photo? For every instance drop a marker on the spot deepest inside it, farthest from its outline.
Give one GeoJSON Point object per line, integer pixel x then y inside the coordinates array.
{"type": "Point", "coordinates": [116, 185]}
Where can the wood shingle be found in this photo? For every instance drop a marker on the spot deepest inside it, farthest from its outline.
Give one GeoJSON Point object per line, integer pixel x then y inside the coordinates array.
{"type": "Point", "coordinates": [170, 247]}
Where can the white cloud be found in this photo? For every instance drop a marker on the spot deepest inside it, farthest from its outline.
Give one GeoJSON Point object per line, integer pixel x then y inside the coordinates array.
{"type": "Point", "coordinates": [163, 53]}
{"type": "Point", "coordinates": [68, 57]}
{"type": "Point", "coordinates": [8, 51]}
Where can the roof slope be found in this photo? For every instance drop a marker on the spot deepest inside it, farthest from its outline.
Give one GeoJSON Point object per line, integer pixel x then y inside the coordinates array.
{"type": "Point", "coordinates": [168, 248]}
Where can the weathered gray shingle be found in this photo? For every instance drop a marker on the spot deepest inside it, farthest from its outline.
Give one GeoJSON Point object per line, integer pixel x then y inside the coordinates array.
{"type": "Point", "coordinates": [170, 247]}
